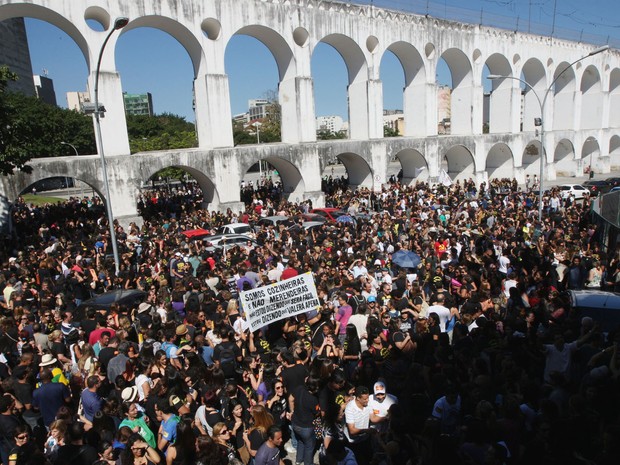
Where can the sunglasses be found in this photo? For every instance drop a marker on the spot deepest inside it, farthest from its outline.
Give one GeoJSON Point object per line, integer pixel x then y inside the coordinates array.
{"type": "Point", "coordinates": [22, 436]}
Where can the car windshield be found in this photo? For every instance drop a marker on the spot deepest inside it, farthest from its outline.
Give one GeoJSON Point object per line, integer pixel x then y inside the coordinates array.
{"type": "Point", "coordinates": [566, 188]}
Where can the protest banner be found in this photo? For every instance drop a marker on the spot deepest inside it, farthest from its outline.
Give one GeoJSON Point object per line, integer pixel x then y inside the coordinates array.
{"type": "Point", "coordinates": [280, 300]}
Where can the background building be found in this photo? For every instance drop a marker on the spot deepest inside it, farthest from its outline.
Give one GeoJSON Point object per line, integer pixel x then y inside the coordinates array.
{"type": "Point", "coordinates": [395, 120]}
{"type": "Point", "coordinates": [257, 109]}
{"type": "Point", "coordinates": [76, 100]}
{"type": "Point", "coordinates": [138, 104]}
{"type": "Point", "coordinates": [44, 88]}
{"type": "Point", "coordinates": [332, 123]}
{"type": "Point", "coordinates": [15, 54]}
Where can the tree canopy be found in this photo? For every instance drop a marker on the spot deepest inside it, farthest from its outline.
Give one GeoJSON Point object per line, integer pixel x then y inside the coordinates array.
{"type": "Point", "coordinates": [30, 128]}
{"type": "Point", "coordinates": [160, 132]}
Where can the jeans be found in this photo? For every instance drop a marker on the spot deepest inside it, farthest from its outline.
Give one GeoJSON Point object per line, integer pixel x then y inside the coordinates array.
{"type": "Point", "coordinates": [306, 440]}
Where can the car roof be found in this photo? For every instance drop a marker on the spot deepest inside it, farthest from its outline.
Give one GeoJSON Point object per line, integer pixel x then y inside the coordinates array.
{"type": "Point", "coordinates": [597, 299]}
{"type": "Point", "coordinates": [274, 218]}
{"type": "Point", "coordinates": [235, 224]}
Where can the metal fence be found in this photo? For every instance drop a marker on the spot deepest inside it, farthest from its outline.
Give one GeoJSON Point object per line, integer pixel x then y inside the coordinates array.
{"type": "Point", "coordinates": [440, 10]}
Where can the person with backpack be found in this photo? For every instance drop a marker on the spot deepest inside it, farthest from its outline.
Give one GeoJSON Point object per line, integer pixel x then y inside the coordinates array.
{"type": "Point", "coordinates": [227, 355]}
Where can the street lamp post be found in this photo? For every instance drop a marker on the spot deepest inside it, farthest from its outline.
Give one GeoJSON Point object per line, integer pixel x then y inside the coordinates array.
{"type": "Point", "coordinates": [257, 126]}
{"type": "Point", "coordinates": [540, 122]}
{"type": "Point", "coordinates": [72, 146]}
{"type": "Point", "coordinates": [119, 23]}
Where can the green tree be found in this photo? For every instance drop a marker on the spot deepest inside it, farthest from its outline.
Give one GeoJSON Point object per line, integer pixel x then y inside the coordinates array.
{"type": "Point", "coordinates": [324, 134]}
{"type": "Point", "coordinates": [389, 132]}
{"type": "Point", "coordinates": [30, 128]}
{"type": "Point", "coordinates": [160, 132]}
{"type": "Point", "coordinates": [271, 125]}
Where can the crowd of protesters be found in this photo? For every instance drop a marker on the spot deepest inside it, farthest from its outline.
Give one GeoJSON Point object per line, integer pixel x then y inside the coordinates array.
{"type": "Point", "coordinates": [473, 357]}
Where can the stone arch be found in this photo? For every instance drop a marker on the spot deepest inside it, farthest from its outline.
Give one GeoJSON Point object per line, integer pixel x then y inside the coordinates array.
{"type": "Point", "coordinates": [459, 163]}
{"type": "Point", "coordinates": [57, 182]}
{"type": "Point", "coordinates": [286, 84]}
{"type": "Point", "coordinates": [461, 96]}
{"type": "Point", "coordinates": [530, 159]}
{"type": "Point", "coordinates": [414, 166]}
{"type": "Point", "coordinates": [211, 198]}
{"type": "Point", "coordinates": [500, 162]}
{"type": "Point", "coordinates": [293, 185]}
{"type": "Point", "coordinates": [500, 98]}
{"type": "Point", "coordinates": [614, 98]}
{"type": "Point", "coordinates": [564, 97]}
{"type": "Point", "coordinates": [591, 98]}
{"type": "Point", "coordinates": [533, 72]}
{"type": "Point", "coordinates": [357, 76]}
{"type": "Point", "coordinates": [177, 31]}
{"type": "Point", "coordinates": [21, 10]}
{"type": "Point", "coordinates": [281, 51]}
{"type": "Point", "coordinates": [358, 169]}
{"type": "Point", "coordinates": [564, 158]}
{"type": "Point", "coordinates": [614, 152]}
{"type": "Point", "coordinates": [414, 93]}
{"type": "Point", "coordinates": [591, 155]}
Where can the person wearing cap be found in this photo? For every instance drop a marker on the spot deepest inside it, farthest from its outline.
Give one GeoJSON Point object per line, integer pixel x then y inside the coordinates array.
{"type": "Point", "coordinates": [380, 402]}
{"type": "Point", "coordinates": [50, 362]}
{"type": "Point", "coordinates": [135, 418]}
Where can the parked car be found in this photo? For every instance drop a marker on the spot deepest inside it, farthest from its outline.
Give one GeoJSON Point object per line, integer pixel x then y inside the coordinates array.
{"type": "Point", "coordinates": [613, 181]}
{"type": "Point", "coordinates": [603, 307]}
{"type": "Point", "coordinates": [273, 221]}
{"type": "Point", "coordinates": [330, 213]}
{"type": "Point", "coordinates": [615, 189]}
{"type": "Point", "coordinates": [127, 298]}
{"type": "Point", "coordinates": [597, 187]}
{"type": "Point", "coordinates": [577, 190]}
{"type": "Point", "coordinates": [195, 234]}
{"type": "Point", "coordinates": [230, 240]}
{"type": "Point", "coordinates": [236, 228]}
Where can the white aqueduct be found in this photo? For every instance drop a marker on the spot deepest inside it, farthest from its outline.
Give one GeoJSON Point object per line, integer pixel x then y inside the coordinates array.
{"type": "Point", "coordinates": [581, 120]}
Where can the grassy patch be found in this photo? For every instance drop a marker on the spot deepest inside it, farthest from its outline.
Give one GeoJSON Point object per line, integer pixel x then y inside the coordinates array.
{"type": "Point", "coordinates": [41, 199]}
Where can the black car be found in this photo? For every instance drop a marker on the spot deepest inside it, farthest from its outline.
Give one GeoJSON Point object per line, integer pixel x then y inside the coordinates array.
{"type": "Point", "coordinates": [597, 187]}
{"type": "Point", "coordinates": [613, 181]}
{"type": "Point", "coordinates": [127, 298]}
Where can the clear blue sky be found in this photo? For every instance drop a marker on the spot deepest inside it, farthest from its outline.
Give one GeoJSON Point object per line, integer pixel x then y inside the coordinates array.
{"type": "Point", "coordinates": [151, 61]}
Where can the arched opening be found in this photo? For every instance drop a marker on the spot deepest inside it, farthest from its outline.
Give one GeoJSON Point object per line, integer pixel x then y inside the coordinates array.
{"type": "Point", "coordinates": [174, 191]}
{"type": "Point", "coordinates": [530, 161]}
{"type": "Point", "coordinates": [533, 73]}
{"type": "Point", "coordinates": [497, 95]}
{"type": "Point", "coordinates": [328, 83]}
{"type": "Point", "coordinates": [358, 173]}
{"type": "Point", "coordinates": [454, 92]}
{"type": "Point", "coordinates": [591, 99]}
{"type": "Point", "coordinates": [158, 60]}
{"type": "Point", "coordinates": [500, 162]}
{"type": "Point", "coordinates": [564, 97]}
{"type": "Point", "coordinates": [393, 82]}
{"type": "Point", "coordinates": [614, 98]}
{"type": "Point", "coordinates": [47, 32]}
{"type": "Point", "coordinates": [590, 156]}
{"type": "Point", "coordinates": [55, 189]}
{"type": "Point", "coordinates": [413, 95]}
{"type": "Point", "coordinates": [458, 163]}
{"type": "Point", "coordinates": [614, 152]}
{"type": "Point", "coordinates": [259, 65]}
{"type": "Point", "coordinates": [414, 166]}
{"type": "Point", "coordinates": [564, 159]}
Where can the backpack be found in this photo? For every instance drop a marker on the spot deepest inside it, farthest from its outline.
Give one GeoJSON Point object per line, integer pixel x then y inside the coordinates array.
{"type": "Point", "coordinates": [167, 347]}
{"type": "Point", "coordinates": [228, 360]}
{"type": "Point", "coordinates": [193, 302]}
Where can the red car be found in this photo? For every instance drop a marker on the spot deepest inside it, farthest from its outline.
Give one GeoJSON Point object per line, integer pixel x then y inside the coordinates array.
{"type": "Point", "coordinates": [330, 213]}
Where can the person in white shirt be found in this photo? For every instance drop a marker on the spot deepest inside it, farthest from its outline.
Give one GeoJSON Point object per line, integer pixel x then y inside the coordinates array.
{"type": "Point", "coordinates": [357, 417]}
{"type": "Point", "coordinates": [443, 312]}
{"type": "Point", "coordinates": [380, 403]}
